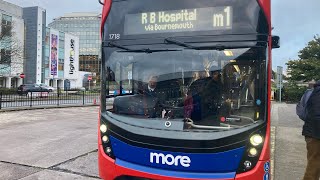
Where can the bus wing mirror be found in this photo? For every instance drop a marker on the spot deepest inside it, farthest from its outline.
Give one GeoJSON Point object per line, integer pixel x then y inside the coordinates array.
{"type": "Point", "coordinates": [275, 42]}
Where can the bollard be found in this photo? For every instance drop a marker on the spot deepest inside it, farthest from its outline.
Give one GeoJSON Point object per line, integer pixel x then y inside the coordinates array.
{"type": "Point", "coordinates": [30, 99]}
{"type": "Point", "coordinates": [0, 100]}
{"type": "Point", "coordinates": [83, 97]}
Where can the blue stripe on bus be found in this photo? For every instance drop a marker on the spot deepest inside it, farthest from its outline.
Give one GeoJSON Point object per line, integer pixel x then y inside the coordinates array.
{"type": "Point", "coordinates": [221, 162]}
{"type": "Point", "coordinates": [177, 174]}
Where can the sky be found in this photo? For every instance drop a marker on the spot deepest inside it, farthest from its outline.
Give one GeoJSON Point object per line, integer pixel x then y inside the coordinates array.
{"type": "Point", "coordinates": [295, 21]}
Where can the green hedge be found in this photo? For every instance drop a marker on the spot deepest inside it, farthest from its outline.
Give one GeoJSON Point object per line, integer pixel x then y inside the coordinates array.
{"type": "Point", "coordinates": [8, 91]}
{"type": "Point", "coordinates": [293, 93]}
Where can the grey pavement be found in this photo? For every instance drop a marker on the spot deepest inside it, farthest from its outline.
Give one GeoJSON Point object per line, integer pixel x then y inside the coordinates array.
{"type": "Point", "coordinates": [55, 175]}
{"type": "Point", "coordinates": [290, 152]}
{"type": "Point", "coordinates": [49, 144]}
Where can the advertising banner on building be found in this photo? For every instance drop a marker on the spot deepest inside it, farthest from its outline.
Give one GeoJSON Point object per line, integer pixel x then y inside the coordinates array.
{"type": "Point", "coordinates": [54, 49]}
{"type": "Point", "coordinates": [71, 59]}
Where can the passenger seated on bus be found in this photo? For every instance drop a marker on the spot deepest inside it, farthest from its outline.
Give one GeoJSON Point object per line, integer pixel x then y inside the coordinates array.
{"type": "Point", "coordinates": [211, 97]}
{"type": "Point", "coordinates": [192, 102]}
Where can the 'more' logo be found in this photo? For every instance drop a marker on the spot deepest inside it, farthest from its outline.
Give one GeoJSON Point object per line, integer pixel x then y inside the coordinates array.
{"type": "Point", "coordinates": [170, 160]}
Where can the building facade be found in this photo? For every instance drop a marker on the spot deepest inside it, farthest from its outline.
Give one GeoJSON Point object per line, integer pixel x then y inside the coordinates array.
{"type": "Point", "coordinates": [87, 27]}
{"type": "Point", "coordinates": [12, 35]}
{"type": "Point", "coordinates": [61, 59]}
{"type": "Point", "coordinates": [43, 55]}
{"type": "Point", "coordinates": [49, 52]}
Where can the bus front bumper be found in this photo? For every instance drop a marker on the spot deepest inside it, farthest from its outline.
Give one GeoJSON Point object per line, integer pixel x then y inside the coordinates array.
{"type": "Point", "coordinates": [110, 169]}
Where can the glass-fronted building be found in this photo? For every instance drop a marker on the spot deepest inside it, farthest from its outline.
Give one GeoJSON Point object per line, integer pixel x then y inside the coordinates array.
{"type": "Point", "coordinates": [86, 27]}
{"type": "Point", "coordinates": [42, 54]}
{"type": "Point", "coordinates": [12, 34]}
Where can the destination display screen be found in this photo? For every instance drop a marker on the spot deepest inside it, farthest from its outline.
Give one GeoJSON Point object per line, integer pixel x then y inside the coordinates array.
{"type": "Point", "coordinates": [181, 20]}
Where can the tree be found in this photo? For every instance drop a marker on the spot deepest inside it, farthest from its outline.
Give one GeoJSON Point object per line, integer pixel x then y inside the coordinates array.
{"type": "Point", "coordinates": [307, 67]}
{"type": "Point", "coordinates": [11, 50]}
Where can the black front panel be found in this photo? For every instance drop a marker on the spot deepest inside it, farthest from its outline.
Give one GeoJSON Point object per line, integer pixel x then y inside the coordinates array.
{"type": "Point", "coordinates": [182, 141]}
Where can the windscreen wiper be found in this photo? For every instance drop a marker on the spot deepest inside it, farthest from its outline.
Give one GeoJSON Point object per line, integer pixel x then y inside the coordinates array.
{"type": "Point", "coordinates": [111, 44]}
{"type": "Point", "coordinates": [150, 50]}
{"type": "Point", "coordinates": [219, 47]}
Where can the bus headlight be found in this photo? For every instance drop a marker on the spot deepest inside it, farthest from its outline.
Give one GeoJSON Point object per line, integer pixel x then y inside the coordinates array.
{"type": "Point", "coordinates": [105, 139]}
{"type": "Point", "coordinates": [256, 140]}
{"type": "Point", "coordinates": [253, 152]}
{"type": "Point", "coordinates": [103, 128]}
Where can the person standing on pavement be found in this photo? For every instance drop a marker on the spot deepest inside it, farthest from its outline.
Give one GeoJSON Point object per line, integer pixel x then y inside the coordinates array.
{"type": "Point", "coordinates": [311, 131]}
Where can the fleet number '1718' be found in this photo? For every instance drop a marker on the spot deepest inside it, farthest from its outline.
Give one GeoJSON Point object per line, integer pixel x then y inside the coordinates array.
{"type": "Point", "coordinates": [114, 36]}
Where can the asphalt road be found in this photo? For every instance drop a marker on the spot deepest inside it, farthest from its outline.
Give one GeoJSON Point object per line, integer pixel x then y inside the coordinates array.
{"type": "Point", "coordinates": [60, 144]}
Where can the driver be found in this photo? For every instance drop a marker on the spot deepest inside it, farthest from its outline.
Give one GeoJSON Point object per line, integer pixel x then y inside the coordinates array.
{"type": "Point", "coordinates": [150, 97]}
{"type": "Point", "coordinates": [151, 89]}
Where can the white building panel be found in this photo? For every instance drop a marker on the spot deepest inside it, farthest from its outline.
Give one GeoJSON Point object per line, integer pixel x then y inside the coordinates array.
{"type": "Point", "coordinates": [71, 59]}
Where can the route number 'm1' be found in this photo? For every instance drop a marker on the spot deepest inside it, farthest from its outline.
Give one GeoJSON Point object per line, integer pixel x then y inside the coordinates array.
{"type": "Point", "coordinates": [222, 19]}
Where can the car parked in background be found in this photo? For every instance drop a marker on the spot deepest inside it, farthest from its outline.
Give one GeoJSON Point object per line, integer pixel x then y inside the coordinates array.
{"type": "Point", "coordinates": [26, 88]}
{"type": "Point", "coordinates": [49, 88]}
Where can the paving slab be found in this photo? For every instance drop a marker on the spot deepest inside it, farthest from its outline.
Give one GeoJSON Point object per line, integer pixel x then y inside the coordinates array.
{"type": "Point", "coordinates": [54, 175]}
{"type": "Point", "coordinates": [14, 172]}
{"type": "Point", "coordinates": [86, 164]}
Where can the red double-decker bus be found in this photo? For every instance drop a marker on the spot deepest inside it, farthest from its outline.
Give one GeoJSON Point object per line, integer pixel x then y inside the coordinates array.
{"type": "Point", "coordinates": [185, 89]}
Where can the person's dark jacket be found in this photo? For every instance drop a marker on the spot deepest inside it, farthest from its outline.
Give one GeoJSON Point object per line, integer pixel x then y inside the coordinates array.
{"type": "Point", "coordinates": [311, 127]}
